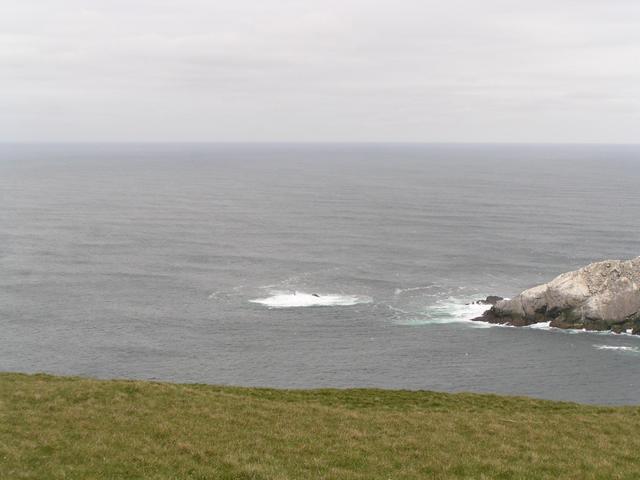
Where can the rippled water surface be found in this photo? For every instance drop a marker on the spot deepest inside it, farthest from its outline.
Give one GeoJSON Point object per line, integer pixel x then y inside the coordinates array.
{"type": "Point", "coordinates": [310, 266]}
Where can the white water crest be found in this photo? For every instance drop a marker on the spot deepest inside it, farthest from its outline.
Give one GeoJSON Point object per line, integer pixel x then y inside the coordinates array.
{"type": "Point", "coordinates": [450, 310]}
{"type": "Point", "coordinates": [302, 299]}
{"type": "Point", "coordinates": [540, 326]}
{"type": "Point", "coordinates": [618, 348]}
{"type": "Point", "coordinates": [575, 331]}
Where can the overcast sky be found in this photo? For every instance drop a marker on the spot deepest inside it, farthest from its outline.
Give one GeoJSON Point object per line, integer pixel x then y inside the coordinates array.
{"type": "Point", "coordinates": [327, 70]}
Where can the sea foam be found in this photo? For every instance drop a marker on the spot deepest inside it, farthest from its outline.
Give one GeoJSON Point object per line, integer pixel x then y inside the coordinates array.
{"type": "Point", "coordinates": [618, 348]}
{"type": "Point", "coordinates": [450, 310]}
{"type": "Point", "coordinates": [302, 299]}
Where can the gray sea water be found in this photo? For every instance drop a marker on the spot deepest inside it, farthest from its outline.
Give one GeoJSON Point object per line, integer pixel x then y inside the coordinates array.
{"type": "Point", "coordinates": [198, 263]}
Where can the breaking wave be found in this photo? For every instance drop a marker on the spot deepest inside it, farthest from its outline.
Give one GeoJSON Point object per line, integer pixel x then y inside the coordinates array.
{"type": "Point", "coordinates": [575, 331]}
{"type": "Point", "coordinates": [618, 348]}
{"type": "Point", "coordinates": [540, 326]}
{"type": "Point", "coordinates": [450, 310]}
{"type": "Point", "coordinates": [302, 299]}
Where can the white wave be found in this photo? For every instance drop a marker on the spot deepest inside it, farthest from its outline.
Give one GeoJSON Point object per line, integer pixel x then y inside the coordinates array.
{"type": "Point", "coordinates": [576, 331]}
{"type": "Point", "coordinates": [618, 348]}
{"type": "Point", "coordinates": [450, 310]}
{"type": "Point", "coordinates": [302, 299]}
{"type": "Point", "coordinates": [453, 310]}
{"type": "Point", "coordinates": [540, 326]}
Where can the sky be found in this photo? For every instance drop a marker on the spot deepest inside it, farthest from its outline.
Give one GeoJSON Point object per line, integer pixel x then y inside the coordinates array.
{"type": "Point", "coordinates": [320, 71]}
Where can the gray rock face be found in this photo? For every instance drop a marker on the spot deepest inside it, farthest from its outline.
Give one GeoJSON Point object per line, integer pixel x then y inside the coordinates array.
{"type": "Point", "coordinates": [601, 296]}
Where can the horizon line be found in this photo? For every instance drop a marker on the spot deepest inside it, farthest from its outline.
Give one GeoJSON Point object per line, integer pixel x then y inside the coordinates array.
{"type": "Point", "coordinates": [302, 142]}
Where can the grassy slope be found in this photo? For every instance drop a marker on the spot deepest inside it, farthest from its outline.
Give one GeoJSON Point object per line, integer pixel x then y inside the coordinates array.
{"type": "Point", "coordinates": [72, 428]}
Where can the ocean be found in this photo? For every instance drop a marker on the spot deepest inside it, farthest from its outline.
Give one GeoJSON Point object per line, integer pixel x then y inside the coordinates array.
{"type": "Point", "coordinates": [311, 265]}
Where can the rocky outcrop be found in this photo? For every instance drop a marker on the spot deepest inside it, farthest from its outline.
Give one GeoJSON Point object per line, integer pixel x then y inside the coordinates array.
{"type": "Point", "coordinates": [490, 300]}
{"type": "Point", "coordinates": [601, 296]}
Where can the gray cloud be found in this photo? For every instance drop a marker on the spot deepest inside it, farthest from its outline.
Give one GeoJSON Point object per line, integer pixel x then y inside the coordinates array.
{"type": "Point", "coordinates": [349, 70]}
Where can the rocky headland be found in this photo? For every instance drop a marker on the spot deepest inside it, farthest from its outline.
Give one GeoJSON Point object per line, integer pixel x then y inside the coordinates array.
{"type": "Point", "coordinates": [601, 296]}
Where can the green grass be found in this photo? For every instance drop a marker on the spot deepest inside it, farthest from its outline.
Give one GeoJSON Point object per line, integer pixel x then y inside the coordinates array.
{"type": "Point", "coordinates": [73, 428]}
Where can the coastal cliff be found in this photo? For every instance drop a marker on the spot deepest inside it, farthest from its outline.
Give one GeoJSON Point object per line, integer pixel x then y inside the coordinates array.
{"type": "Point", "coordinates": [601, 296]}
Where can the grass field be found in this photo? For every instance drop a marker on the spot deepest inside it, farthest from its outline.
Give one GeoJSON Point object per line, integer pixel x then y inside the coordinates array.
{"type": "Point", "coordinates": [73, 428]}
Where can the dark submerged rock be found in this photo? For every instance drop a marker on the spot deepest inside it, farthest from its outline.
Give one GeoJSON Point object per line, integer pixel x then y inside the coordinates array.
{"type": "Point", "coordinates": [490, 300]}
